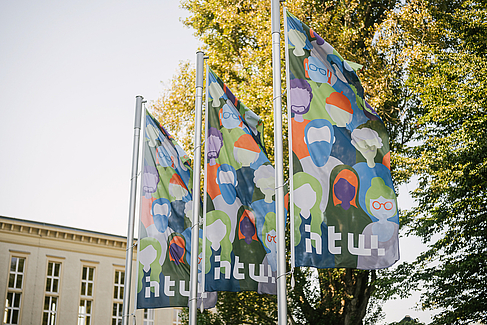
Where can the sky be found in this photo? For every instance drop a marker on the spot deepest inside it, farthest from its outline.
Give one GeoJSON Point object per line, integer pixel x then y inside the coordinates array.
{"type": "Point", "coordinates": [69, 75]}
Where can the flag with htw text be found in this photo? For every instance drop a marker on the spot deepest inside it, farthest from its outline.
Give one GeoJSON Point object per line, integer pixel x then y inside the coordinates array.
{"type": "Point", "coordinates": [345, 207]}
{"type": "Point", "coordinates": [241, 214]}
{"type": "Point", "coordinates": [164, 250]}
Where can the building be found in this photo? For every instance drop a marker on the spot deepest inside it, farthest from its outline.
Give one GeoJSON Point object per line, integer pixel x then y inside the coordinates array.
{"type": "Point", "coordinates": [50, 274]}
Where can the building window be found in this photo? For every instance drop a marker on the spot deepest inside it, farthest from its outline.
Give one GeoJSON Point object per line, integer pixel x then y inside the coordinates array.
{"type": "Point", "coordinates": [148, 316]}
{"type": "Point", "coordinates": [118, 297]}
{"type": "Point", "coordinates": [14, 292]}
{"type": "Point", "coordinates": [85, 310]}
{"type": "Point", "coordinates": [51, 296]}
{"type": "Point", "coordinates": [176, 317]}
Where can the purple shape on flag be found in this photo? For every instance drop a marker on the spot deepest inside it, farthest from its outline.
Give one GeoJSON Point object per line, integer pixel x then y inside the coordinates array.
{"type": "Point", "coordinates": [215, 143]}
{"type": "Point", "coordinates": [247, 229]}
{"type": "Point", "coordinates": [301, 98]}
{"type": "Point", "coordinates": [345, 192]}
{"type": "Point", "coordinates": [176, 252]}
{"type": "Point", "coordinates": [150, 180]}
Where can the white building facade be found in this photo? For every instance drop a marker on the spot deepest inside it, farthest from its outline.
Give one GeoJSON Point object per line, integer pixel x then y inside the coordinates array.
{"type": "Point", "coordinates": [50, 274]}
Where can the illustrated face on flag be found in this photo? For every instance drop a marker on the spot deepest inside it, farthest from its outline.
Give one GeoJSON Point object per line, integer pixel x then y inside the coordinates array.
{"type": "Point", "coordinates": [240, 219]}
{"type": "Point", "coordinates": [165, 222]}
{"type": "Point", "coordinates": [345, 208]}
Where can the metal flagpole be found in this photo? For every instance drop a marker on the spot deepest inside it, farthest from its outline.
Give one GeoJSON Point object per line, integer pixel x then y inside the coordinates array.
{"type": "Point", "coordinates": [131, 221]}
{"type": "Point", "coordinates": [196, 189]}
{"type": "Point", "coordinates": [280, 217]}
{"type": "Point", "coordinates": [290, 148]}
{"type": "Point", "coordinates": [205, 189]}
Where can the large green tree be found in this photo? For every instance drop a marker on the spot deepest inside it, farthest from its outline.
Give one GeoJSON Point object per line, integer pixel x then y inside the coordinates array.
{"type": "Point", "coordinates": [446, 46]}
{"type": "Point", "coordinates": [236, 36]}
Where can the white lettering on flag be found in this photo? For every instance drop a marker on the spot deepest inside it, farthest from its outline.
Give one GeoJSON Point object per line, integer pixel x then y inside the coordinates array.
{"type": "Point", "coordinates": [167, 286]}
{"type": "Point", "coordinates": [153, 284]}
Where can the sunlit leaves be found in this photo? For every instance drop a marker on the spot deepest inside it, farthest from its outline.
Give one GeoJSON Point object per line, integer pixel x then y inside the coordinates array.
{"type": "Point", "coordinates": [447, 70]}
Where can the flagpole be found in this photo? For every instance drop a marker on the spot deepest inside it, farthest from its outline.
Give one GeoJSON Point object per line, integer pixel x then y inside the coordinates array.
{"type": "Point", "coordinates": [205, 190]}
{"type": "Point", "coordinates": [196, 189]}
{"type": "Point", "coordinates": [290, 151]}
{"type": "Point", "coordinates": [131, 221]}
{"type": "Point", "coordinates": [278, 155]}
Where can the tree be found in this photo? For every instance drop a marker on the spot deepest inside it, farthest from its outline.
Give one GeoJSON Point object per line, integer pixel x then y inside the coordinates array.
{"type": "Point", "coordinates": [407, 320]}
{"type": "Point", "coordinates": [448, 72]}
{"type": "Point", "coordinates": [237, 38]}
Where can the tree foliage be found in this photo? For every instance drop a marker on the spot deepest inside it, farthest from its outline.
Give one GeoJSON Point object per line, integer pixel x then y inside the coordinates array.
{"type": "Point", "coordinates": [447, 69]}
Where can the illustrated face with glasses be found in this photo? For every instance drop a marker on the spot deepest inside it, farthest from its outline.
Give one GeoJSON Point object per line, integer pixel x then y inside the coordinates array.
{"type": "Point", "coordinates": [271, 243]}
{"type": "Point", "coordinates": [383, 208]}
{"type": "Point", "coordinates": [318, 72]}
{"type": "Point", "coordinates": [229, 117]}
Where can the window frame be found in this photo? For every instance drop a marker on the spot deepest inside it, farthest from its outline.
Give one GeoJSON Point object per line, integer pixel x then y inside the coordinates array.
{"type": "Point", "coordinates": [89, 300]}
{"type": "Point", "coordinates": [149, 316]}
{"type": "Point", "coordinates": [14, 290]}
{"type": "Point", "coordinates": [51, 294]}
{"type": "Point", "coordinates": [117, 302]}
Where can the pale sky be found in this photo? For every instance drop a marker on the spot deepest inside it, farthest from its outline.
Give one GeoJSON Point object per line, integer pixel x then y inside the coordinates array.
{"type": "Point", "coordinates": [69, 74]}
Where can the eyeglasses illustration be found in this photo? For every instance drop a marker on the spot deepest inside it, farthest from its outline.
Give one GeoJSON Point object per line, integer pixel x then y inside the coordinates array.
{"type": "Point", "coordinates": [387, 205]}
{"type": "Point", "coordinates": [228, 114]}
{"type": "Point", "coordinates": [271, 238]}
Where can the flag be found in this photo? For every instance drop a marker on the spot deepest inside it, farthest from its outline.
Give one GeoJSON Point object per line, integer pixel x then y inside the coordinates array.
{"type": "Point", "coordinates": [345, 207]}
{"type": "Point", "coordinates": [240, 210]}
{"type": "Point", "coordinates": [164, 250]}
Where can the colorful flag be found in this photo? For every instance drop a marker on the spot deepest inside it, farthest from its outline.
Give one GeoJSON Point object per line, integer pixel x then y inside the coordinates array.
{"type": "Point", "coordinates": [164, 250]}
{"type": "Point", "coordinates": [240, 210]}
{"type": "Point", "coordinates": [345, 207]}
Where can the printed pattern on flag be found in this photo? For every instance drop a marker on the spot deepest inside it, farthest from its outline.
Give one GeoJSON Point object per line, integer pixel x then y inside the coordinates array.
{"type": "Point", "coordinates": [241, 214]}
{"type": "Point", "coordinates": [345, 207]}
{"type": "Point", "coordinates": [166, 206]}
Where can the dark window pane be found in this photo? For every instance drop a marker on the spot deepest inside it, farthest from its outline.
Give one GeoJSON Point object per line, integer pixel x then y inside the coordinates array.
{"type": "Point", "coordinates": [13, 264]}
{"type": "Point", "coordinates": [18, 283]}
{"type": "Point", "coordinates": [90, 289]}
{"type": "Point", "coordinates": [9, 314]}
{"type": "Point", "coordinates": [21, 265]}
{"type": "Point", "coordinates": [48, 284]}
{"type": "Point", "coordinates": [11, 281]}
{"type": "Point", "coordinates": [121, 293]}
{"type": "Point", "coordinates": [92, 272]}
{"type": "Point", "coordinates": [57, 267]}
{"type": "Point", "coordinates": [45, 319]}
{"type": "Point", "coordinates": [15, 316]}
{"type": "Point", "coordinates": [83, 288]}
{"type": "Point", "coordinates": [46, 303]}
{"type": "Point", "coordinates": [123, 278]}
{"type": "Point", "coordinates": [54, 285]}
{"type": "Point", "coordinates": [49, 268]}
{"type": "Point", "coordinates": [17, 300]}
{"type": "Point", "coordinates": [84, 273]}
